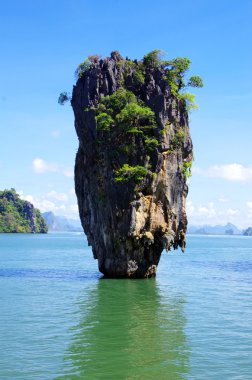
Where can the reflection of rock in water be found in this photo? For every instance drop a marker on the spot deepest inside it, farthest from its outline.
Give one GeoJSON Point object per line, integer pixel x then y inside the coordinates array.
{"type": "Point", "coordinates": [129, 331]}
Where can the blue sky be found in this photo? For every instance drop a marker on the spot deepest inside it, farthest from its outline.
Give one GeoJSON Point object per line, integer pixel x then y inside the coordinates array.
{"type": "Point", "coordinates": [41, 44]}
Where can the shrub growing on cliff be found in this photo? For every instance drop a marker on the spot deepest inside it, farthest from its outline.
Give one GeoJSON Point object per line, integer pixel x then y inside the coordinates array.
{"type": "Point", "coordinates": [118, 100]}
{"type": "Point", "coordinates": [84, 66]}
{"type": "Point", "coordinates": [138, 75]}
{"type": "Point", "coordinates": [189, 100]}
{"type": "Point", "coordinates": [187, 165]}
{"type": "Point", "coordinates": [195, 81]}
{"type": "Point", "coordinates": [178, 139]}
{"type": "Point", "coordinates": [123, 109]}
{"type": "Point", "coordinates": [104, 122]}
{"type": "Point", "coordinates": [127, 172]}
{"type": "Point", "coordinates": [176, 70]}
{"type": "Point", "coordinates": [153, 59]}
{"type": "Point", "coordinates": [63, 98]}
{"type": "Point", "coordinates": [151, 143]}
{"type": "Point", "coordinates": [134, 117]}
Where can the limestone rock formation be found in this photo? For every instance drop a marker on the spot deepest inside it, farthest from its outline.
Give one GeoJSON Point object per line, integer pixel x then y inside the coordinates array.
{"type": "Point", "coordinates": [17, 215]}
{"type": "Point", "coordinates": [134, 156]}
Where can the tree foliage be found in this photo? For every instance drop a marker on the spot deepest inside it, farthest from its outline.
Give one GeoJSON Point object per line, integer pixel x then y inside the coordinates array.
{"type": "Point", "coordinates": [189, 101]}
{"type": "Point", "coordinates": [17, 215]}
{"type": "Point", "coordinates": [127, 173]}
{"type": "Point", "coordinates": [135, 117]}
{"type": "Point", "coordinates": [195, 81]}
{"type": "Point", "coordinates": [104, 122]}
{"type": "Point", "coordinates": [153, 58]}
{"type": "Point", "coordinates": [82, 67]}
{"type": "Point", "coordinates": [63, 98]}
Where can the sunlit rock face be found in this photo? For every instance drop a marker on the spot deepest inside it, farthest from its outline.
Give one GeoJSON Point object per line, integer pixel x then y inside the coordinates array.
{"type": "Point", "coordinates": [131, 166]}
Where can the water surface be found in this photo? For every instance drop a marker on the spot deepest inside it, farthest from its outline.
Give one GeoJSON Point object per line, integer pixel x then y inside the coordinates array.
{"type": "Point", "coordinates": [60, 320]}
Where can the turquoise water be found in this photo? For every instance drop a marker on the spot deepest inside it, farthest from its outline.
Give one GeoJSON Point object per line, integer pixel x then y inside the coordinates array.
{"type": "Point", "coordinates": [60, 320]}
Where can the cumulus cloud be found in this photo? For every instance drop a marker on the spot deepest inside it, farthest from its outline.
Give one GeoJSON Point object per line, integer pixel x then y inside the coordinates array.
{"type": "Point", "coordinates": [59, 196]}
{"type": "Point", "coordinates": [204, 211]}
{"type": "Point", "coordinates": [231, 212]}
{"type": "Point", "coordinates": [58, 203]}
{"type": "Point", "coordinates": [68, 172]}
{"type": "Point", "coordinates": [41, 166]}
{"type": "Point", "coordinates": [231, 172]}
{"type": "Point", "coordinates": [249, 205]}
{"type": "Point", "coordinates": [211, 214]}
{"type": "Point", "coordinates": [223, 200]}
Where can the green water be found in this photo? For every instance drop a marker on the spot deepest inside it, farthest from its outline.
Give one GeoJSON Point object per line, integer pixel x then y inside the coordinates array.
{"type": "Point", "coordinates": [60, 320]}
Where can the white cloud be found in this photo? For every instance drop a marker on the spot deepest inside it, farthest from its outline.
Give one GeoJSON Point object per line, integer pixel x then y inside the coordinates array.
{"type": "Point", "coordinates": [212, 214]}
{"type": "Point", "coordinates": [28, 198]}
{"type": "Point", "coordinates": [206, 211]}
{"type": "Point", "coordinates": [68, 172]}
{"type": "Point", "coordinates": [41, 166]}
{"type": "Point", "coordinates": [74, 209]}
{"type": "Point", "coordinates": [223, 200]}
{"type": "Point", "coordinates": [59, 196]}
{"type": "Point", "coordinates": [60, 204]}
{"type": "Point", "coordinates": [231, 172]}
{"type": "Point", "coordinates": [249, 205]}
{"type": "Point", "coordinates": [231, 212]}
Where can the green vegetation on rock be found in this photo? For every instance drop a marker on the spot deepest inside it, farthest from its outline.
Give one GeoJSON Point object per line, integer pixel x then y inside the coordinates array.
{"type": "Point", "coordinates": [127, 172]}
{"type": "Point", "coordinates": [187, 165]}
{"type": "Point", "coordinates": [135, 118]}
{"type": "Point", "coordinates": [63, 98]}
{"type": "Point", "coordinates": [178, 139]}
{"type": "Point", "coordinates": [17, 215]}
{"type": "Point", "coordinates": [125, 116]}
{"type": "Point", "coordinates": [82, 67]}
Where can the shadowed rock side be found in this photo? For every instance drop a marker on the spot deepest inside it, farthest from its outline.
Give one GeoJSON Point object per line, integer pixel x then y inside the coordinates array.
{"type": "Point", "coordinates": [129, 219]}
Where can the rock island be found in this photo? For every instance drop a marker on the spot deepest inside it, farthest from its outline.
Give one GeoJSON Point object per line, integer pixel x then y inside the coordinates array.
{"type": "Point", "coordinates": [134, 158]}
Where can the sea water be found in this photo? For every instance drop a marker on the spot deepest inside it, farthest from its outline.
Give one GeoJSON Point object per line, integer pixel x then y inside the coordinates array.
{"type": "Point", "coordinates": [59, 319]}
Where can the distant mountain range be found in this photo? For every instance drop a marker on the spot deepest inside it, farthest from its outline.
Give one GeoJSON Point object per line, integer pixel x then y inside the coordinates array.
{"type": "Point", "coordinates": [228, 229]}
{"type": "Point", "coordinates": [61, 223]}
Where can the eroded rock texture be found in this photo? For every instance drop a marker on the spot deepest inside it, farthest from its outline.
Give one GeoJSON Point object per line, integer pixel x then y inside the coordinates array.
{"type": "Point", "coordinates": [129, 223]}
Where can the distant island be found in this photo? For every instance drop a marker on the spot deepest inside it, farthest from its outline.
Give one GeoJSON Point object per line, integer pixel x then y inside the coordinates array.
{"type": "Point", "coordinates": [206, 229]}
{"type": "Point", "coordinates": [227, 229]}
{"type": "Point", "coordinates": [58, 223]}
{"type": "Point", "coordinates": [19, 216]}
{"type": "Point", "coordinates": [248, 232]}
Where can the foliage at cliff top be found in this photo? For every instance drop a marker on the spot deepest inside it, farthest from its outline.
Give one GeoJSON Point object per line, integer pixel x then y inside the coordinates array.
{"type": "Point", "coordinates": [17, 215]}
{"type": "Point", "coordinates": [175, 72]}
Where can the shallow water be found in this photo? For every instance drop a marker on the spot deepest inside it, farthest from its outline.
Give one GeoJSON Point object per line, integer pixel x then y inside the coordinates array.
{"type": "Point", "coordinates": [60, 320]}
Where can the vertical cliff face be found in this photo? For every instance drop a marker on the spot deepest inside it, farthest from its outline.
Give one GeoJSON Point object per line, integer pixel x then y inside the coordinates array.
{"type": "Point", "coordinates": [131, 167]}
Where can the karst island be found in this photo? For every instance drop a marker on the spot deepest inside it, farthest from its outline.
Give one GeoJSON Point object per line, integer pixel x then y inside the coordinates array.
{"type": "Point", "coordinates": [134, 157]}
